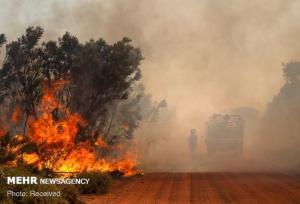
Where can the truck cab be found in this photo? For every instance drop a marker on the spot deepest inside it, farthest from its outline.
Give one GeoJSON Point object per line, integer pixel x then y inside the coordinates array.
{"type": "Point", "coordinates": [225, 133]}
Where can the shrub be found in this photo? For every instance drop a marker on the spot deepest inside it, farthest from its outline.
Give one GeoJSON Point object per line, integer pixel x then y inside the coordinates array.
{"type": "Point", "coordinates": [99, 183]}
{"type": "Point", "coordinates": [70, 193]}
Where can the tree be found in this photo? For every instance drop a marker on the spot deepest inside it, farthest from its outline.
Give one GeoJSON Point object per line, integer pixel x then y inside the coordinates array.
{"type": "Point", "coordinates": [125, 116]}
{"type": "Point", "coordinates": [280, 123]}
{"type": "Point", "coordinates": [20, 76]}
{"type": "Point", "coordinates": [98, 74]}
{"type": "Point", "coordinates": [103, 75]}
{"type": "Point", "coordinates": [291, 72]}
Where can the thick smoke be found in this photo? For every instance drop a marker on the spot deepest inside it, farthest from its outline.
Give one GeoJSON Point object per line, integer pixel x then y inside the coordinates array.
{"type": "Point", "coordinates": [279, 127]}
{"type": "Point", "coordinates": [202, 56]}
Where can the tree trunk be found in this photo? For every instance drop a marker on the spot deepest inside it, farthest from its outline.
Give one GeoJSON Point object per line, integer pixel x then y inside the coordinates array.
{"type": "Point", "coordinates": [111, 121]}
{"type": "Point", "coordinates": [25, 124]}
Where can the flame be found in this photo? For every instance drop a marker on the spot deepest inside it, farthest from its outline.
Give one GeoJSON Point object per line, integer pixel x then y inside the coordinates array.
{"type": "Point", "coordinates": [55, 139]}
{"type": "Point", "coordinates": [3, 131]}
{"type": "Point", "coordinates": [31, 158]}
{"type": "Point", "coordinates": [3, 128]}
{"type": "Point", "coordinates": [101, 143]}
{"type": "Point", "coordinates": [16, 115]}
{"type": "Point", "coordinates": [46, 129]}
{"type": "Point", "coordinates": [84, 158]}
{"type": "Point", "coordinates": [127, 165]}
{"type": "Point", "coordinates": [19, 138]}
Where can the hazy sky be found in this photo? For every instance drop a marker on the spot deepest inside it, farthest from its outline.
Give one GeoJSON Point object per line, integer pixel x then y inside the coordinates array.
{"type": "Point", "coordinates": [203, 56]}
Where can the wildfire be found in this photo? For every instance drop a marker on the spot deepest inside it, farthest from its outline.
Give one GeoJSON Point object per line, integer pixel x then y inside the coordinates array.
{"type": "Point", "coordinates": [83, 158]}
{"type": "Point", "coordinates": [3, 128]}
{"type": "Point", "coordinates": [31, 158]}
{"type": "Point", "coordinates": [55, 140]}
{"type": "Point", "coordinates": [3, 132]}
{"type": "Point", "coordinates": [101, 143]}
{"type": "Point", "coordinates": [46, 130]}
{"type": "Point", "coordinates": [15, 117]}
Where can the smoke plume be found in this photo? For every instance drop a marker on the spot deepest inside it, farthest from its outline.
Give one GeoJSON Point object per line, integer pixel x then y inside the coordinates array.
{"type": "Point", "coordinates": [202, 56]}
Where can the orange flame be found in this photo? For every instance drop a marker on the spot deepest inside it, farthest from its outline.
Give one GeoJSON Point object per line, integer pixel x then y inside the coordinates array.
{"type": "Point", "coordinates": [3, 128]}
{"type": "Point", "coordinates": [16, 115]}
{"type": "Point", "coordinates": [3, 132]}
{"type": "Point", "coordinates": [31, 158]}
{"type": "Point", "coordinates": [101, 143]}
{"type": "Point", "coordinates": [55, 138]}
{"type": "Point", "coordinates": [47, 130]}
{"type": "Point", "coordinates": [83, 158]}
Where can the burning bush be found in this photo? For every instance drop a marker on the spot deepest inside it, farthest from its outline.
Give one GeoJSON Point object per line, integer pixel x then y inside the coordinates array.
{"type": "Point", "coordinates": [57, 96]}
{"type": "Point", "coordinates": [51, 144]}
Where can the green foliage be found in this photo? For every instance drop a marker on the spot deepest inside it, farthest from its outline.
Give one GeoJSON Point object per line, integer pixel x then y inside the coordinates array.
{"type": "Point", "coordinates": [103, 76]}
{"type": "Point", "coordinates": [20, 75]}
{"type": "Point", "coordinates": [69, 193]}
{"type": "Point", "coordinates": [99, 183]}
{"type": "Point", "coordinates": [98, 73]}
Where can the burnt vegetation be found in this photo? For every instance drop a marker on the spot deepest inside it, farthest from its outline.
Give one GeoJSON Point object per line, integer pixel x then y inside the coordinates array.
{"type": "Point", "coordinates": [97, 74]}
{"type": "Point", "coordinates": [99, 80]}
{"type": "Point", "coordinates": [95, 80]}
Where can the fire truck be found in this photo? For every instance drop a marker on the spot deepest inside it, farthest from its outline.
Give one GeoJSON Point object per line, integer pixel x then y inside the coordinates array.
{"type": "Point", "coordinates": [225, 133]}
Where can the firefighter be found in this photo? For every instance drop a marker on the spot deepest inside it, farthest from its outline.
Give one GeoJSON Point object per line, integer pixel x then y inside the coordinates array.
{"type": "Point", "coordinates": [192, 141]}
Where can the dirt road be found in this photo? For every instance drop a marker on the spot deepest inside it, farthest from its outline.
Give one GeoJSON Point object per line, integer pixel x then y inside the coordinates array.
{"type": "Point", "coordinates": [203, 188]}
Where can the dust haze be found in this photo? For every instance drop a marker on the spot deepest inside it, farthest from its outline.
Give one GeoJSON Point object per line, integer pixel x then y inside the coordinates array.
{"type": "Point", "coordinates": [203, 57]}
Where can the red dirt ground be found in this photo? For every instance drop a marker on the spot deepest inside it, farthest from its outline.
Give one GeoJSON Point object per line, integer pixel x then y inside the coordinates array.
{"type": "Point", "coordinates": [203, 188]}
